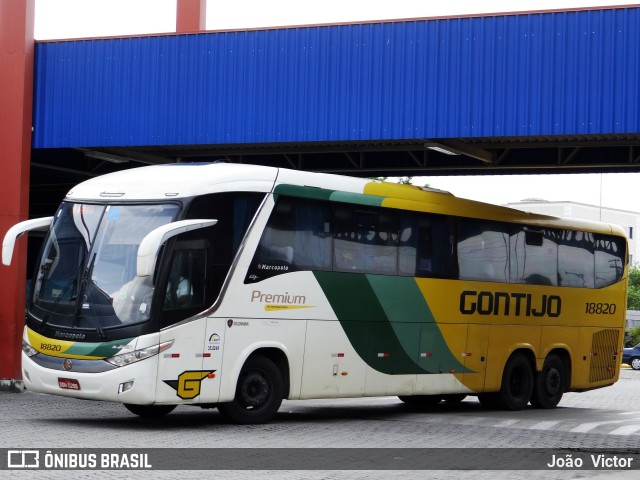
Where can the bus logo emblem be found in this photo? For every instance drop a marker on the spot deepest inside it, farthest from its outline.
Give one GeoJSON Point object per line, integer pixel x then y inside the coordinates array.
{"type": "Point", "coordinates": [67, 364]}
{"type": "Point", "coordinates": [187, 386]}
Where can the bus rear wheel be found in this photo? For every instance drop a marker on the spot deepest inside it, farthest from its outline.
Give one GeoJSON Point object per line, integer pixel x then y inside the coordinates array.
{"type": "Point", "coordinates": [517, 383]}
{"type": "Point", "coordinates": [549, 384]}
{"type": "Point", "coordinates": [259, 393]}
{"type": "Point", "coordinates": [150, 411]}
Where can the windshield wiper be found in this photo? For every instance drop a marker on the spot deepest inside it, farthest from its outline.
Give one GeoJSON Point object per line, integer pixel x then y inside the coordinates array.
{"type": "Point", "coordinates": [62, 293]}
{"type": "Point", "coordinates": [86, 278]}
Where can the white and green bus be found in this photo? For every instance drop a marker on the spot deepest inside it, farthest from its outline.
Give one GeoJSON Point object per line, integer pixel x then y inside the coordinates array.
{"type": "Point", "coordinates": [236, 286]}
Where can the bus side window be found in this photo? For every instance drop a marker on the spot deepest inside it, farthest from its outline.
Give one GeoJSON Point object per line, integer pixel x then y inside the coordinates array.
{"type": "Point", "coordinates": [186, 284]}
{"type": "Point", "coordinates": [345, 248]}
{"type": "Point", "coordinates": [407, 244]}
{"type": "Point", "coordinates": [610, 259]}
{"type": "Point", "coordinates": [483, 251]}
{"type": "Point", "coordinates": [365, 240]}
{"type": "Point", "coordinates": [442, 244]}
{"type": "Point", "coordinates": [424, 262]}
{"type": "Point", "coordinates": [297, 237]}
{"type": "Point", "coordinates": [533, 257]}
{"type": "Point", "coordinates": [576, 259]}
{"type": "Point", "coordinates": [312, 236]}
{"type": "Point", "coordinates": [276, 244]}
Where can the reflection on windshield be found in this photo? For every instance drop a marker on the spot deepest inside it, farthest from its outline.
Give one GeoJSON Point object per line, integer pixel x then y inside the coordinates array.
{"type": "Point", "coordinates": [87, 274]}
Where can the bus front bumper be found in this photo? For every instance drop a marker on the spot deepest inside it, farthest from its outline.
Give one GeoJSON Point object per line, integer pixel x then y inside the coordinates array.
{"type": "Point", "coordinates": [134, 383]}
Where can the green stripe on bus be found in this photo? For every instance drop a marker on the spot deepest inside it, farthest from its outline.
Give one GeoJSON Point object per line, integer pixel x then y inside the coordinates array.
{"type": "Point", "coordinates": [404, 304]}
{"type": "Point", "coordinates": [101, 350]}
{"type": "Point", "coordinates": [390, 324]}
{"type": "Point", "coordinates": [357, 198]}
{"type": "Point", "coordinates": [302, 192]}
{"type": "Point", "coordinates": [324, 194]}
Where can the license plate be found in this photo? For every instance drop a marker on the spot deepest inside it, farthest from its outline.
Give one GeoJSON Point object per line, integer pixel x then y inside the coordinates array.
{"type": "Point", "coordinates": [68, 383]}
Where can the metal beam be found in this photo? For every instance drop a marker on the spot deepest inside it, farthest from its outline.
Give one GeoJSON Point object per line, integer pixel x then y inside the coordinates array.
{"type": "Point", "coordinates": [16, 98]}
{"type": "Point", "coordinates": [191, 16]}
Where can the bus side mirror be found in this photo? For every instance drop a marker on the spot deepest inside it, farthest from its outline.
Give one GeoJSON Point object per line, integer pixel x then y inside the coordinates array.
{"type": "Point", "coordinates": [150, 245]}
{"type": "Point", "coordinates": [19, 229]}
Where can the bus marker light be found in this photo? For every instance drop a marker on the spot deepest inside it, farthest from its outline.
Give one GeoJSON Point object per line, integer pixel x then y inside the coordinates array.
{"type": "Point", "coordinates": [384, 355]}
{"type": "Point", "coordinates": [211, 375]}
{"type": "Point", "coordinates": [344, 374]}
{"type": "Point", "coordinates": [452, 371]}
{"type": "Point", "coordinates": [123, 387]}
{"type": "Point", "coordinates": [426, 355]}
{"type": "Point", "coordinates": [175, 355]}
{"type": "Point", "coordinates": [337, 355]}
{"type": "Point", "coordinates": [466, 354]}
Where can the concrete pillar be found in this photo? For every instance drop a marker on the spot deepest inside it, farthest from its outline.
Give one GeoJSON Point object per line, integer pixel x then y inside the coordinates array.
{"type": "Point", "coordinates": [191, 16]}
{"type": "Point", "coordinates": [16, 100]}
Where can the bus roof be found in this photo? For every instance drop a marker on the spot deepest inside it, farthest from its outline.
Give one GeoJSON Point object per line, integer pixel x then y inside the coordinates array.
{"type": "Point", "coordinates": [176, 180]}
{"type": "Point", "coordinates": [182, 180]}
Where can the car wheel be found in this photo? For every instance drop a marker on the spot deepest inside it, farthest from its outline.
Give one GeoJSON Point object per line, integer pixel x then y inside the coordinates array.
{"type": "Point", "coordinates": [635, 363]}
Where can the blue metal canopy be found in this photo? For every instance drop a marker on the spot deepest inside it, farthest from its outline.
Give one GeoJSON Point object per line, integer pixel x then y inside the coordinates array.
{"type": "Point", "coordinates": [540, 74]}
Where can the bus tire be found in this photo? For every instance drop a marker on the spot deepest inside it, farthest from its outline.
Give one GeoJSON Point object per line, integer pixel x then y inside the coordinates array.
{"type": "Point", "coordinates": [423, 401]}
{"type": "Point", "coordinates": [150, 411]}
{"type": "Point", "coordinates": [259, 393]}
{"type": "Point", "coordinates": [549, 383]}
{"type": "Point", "coordinates": [517, 383]}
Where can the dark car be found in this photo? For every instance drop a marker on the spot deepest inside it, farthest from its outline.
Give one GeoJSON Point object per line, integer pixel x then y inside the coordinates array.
{"type": "Point", "coordinates": [631, 356]}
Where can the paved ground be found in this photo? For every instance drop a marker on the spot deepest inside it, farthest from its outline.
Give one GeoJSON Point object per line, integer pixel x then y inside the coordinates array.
{"type": "Point", "coordinates": [605, 418]}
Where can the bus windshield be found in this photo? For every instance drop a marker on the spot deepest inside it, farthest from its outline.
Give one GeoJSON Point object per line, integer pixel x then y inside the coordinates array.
{"type": "Point", "coordinates": [86, 277]}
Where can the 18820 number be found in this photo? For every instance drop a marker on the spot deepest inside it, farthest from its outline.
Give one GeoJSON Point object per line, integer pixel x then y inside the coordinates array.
{"type": "Point", "coordinates": [600, 308]}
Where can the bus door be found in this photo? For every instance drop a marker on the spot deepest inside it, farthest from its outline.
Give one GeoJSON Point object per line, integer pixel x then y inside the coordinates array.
{"type": "Point", "coordinates": [184, 290]}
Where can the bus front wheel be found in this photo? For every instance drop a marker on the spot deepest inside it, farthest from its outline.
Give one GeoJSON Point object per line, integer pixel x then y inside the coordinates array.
{"type": "Point", "coordinates": [549, 383]}
{"type": "Point", "coordinates": [517, 383]}
{"type": "Point", "coordinates": [259, 393]}
{"type": "Point", "coordinates": [149, 411]}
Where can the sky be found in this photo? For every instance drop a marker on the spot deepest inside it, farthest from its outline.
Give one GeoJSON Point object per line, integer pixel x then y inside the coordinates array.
{"type": "Point", "coordinates": [96, 18]}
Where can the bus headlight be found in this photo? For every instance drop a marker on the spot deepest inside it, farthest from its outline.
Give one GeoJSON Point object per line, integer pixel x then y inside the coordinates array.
{"type": "Point", "coordinates": [28, 349]}
{"type": "Point", "coordinates": [137, 355]}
